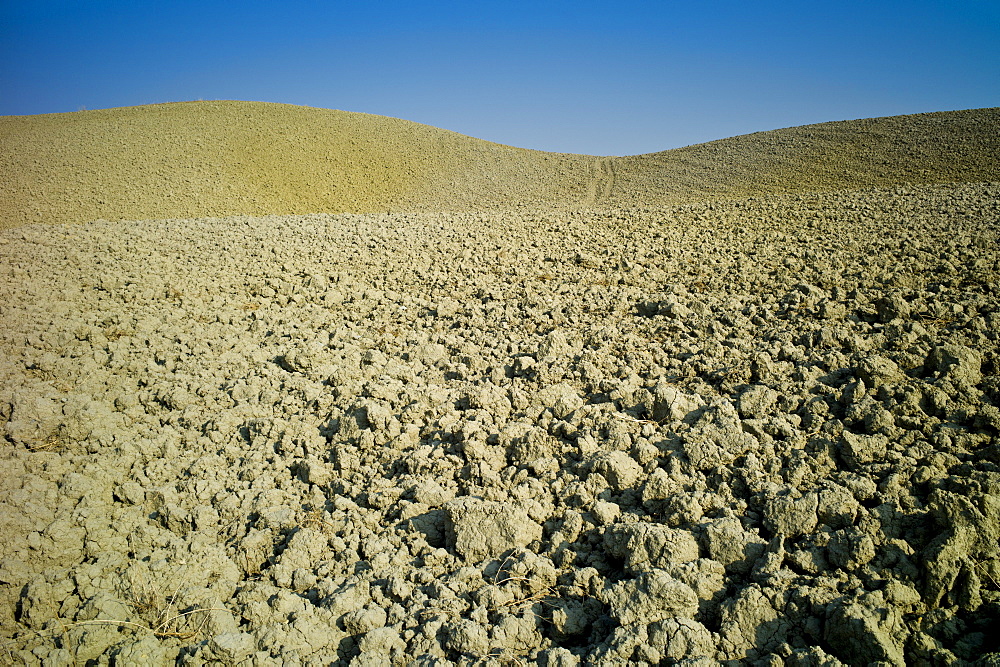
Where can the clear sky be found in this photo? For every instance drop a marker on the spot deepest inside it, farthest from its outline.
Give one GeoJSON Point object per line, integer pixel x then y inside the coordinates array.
{"type": "Point", "coordinates": [580, 76]}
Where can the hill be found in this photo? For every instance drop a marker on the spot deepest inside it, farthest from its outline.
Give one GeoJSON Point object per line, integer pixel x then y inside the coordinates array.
{"type": "Point", "coordinates": [920, 149]}
{"type": "Point", "coordinates": [199, 159]}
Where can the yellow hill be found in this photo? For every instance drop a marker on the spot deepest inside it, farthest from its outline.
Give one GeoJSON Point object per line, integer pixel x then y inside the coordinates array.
{"type": "Point", "coordinates": [943, 147]}
{"type": "Point", "coordinates": [197, 159]}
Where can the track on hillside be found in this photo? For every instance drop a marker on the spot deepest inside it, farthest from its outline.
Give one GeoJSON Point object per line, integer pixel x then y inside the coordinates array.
{"type": "Point", "coordinates": [600, 183]}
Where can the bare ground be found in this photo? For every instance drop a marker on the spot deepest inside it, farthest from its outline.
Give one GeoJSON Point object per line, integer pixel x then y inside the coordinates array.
{"type": "Point", "coordinates": [758, 430]}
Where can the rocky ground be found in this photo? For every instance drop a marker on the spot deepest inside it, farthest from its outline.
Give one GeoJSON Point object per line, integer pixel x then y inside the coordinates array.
{"type": "Point", "coordinates": [762, 431]}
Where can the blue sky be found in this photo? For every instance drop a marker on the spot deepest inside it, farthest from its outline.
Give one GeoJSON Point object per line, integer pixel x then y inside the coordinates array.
{"type": "Point", "coordinates": [585, 77]}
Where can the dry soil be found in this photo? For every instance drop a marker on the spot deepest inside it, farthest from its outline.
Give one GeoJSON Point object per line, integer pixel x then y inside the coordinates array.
{"type": "Point", "coordinates": [732, 404]}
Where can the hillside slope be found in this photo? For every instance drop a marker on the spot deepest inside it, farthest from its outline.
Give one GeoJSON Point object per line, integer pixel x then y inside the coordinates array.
{"type": "Point", "coordinates": [198, 159]}
{"type": "Point", "coordinates": [943, 147]}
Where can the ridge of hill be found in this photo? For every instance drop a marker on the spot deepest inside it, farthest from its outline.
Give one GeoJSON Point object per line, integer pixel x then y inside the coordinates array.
{"type": "Point", "coordinates": [917, 149]}
{"type": "Point", "coordinates": [204, 159]}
